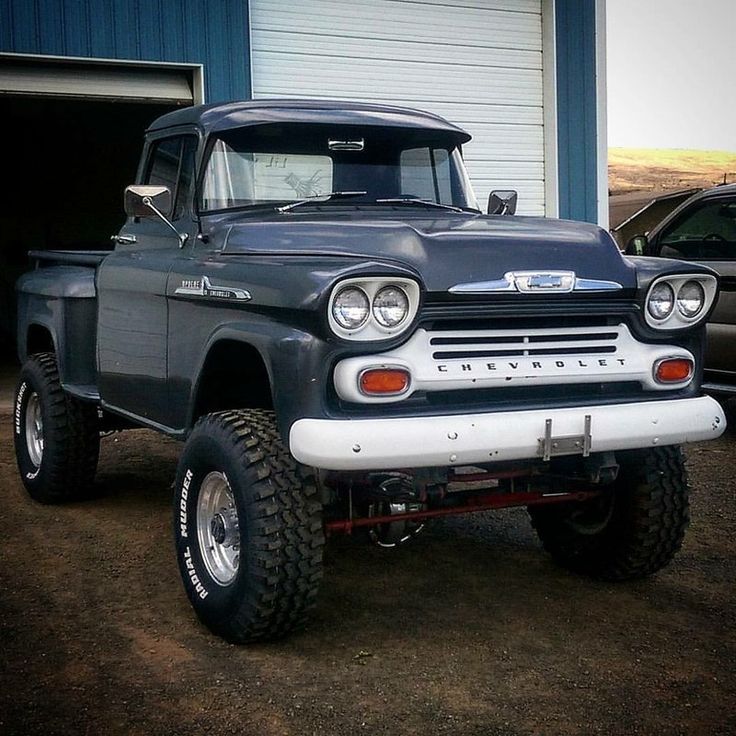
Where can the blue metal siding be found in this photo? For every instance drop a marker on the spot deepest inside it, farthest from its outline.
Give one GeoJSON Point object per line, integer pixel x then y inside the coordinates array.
{"type": "Point", "coordinates": [577, 109]}
{"type": "Point", "coordinates": [213, 33]}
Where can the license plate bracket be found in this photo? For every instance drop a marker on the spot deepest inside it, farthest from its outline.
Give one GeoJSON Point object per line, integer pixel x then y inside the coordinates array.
{"type": "Point", "coordinates": [572, 444]}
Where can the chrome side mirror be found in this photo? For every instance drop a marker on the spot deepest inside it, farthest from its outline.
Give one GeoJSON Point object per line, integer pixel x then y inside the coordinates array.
{"type": "Point", "coordinates": [502, 202]}
{"type": "Point", "coordinates": [143, 200]}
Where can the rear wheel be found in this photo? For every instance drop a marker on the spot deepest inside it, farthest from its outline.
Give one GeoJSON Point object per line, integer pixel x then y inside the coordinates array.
{"type": "Point", "coordinates": [634, 528]}
{"type": "Point", "coordinates": [57, 439]}
{"type": "Point", "coordinates": [248, 528]}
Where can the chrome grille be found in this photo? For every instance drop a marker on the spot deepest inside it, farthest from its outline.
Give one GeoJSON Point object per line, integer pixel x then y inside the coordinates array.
{"type": "Point", "coordinates": [517, 343]}
{"type": "Point", "coordinates": [491, 359]}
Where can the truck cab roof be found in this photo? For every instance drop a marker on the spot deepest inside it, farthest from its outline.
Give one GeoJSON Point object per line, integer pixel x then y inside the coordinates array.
{"type": "Point", "coordinates": [217, 117]}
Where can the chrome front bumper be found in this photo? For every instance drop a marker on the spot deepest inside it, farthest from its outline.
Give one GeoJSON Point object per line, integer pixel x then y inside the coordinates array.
{"type": "Point", "coordinates": [471, 439]}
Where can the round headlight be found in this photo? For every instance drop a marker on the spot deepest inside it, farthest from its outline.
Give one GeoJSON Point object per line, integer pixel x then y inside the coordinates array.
{"type": "Point", "coordinates": [350, 308]}
{"type": "Point", "coordinates": [390, 306]}
{"type": "Point", "coordinates": [690, 299]}
{"type": "Point", "coordinates": [661, 301]}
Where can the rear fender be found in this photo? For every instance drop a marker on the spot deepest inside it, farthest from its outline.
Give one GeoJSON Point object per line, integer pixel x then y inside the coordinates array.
{"type": "Point", "coordinates": [62, 301]}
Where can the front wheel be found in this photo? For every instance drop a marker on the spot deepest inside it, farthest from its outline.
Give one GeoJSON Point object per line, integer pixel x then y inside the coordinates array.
{"type": "Point", "coordinates": [248, 528]}
{"type": "Point", "coordinates": [634, 528]}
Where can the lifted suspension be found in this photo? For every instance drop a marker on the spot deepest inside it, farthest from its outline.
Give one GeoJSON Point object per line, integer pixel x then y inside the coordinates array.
{"type": "Point", "coordinates": [470, 503]}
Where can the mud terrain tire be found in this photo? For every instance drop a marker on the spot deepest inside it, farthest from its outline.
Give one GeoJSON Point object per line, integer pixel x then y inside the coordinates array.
{"type": "Point", "coordinates": [57, 439]}
{"type": "Point", "coordinates": [248, 528]}
{"type": "Point", "coordinates": [633, 530]}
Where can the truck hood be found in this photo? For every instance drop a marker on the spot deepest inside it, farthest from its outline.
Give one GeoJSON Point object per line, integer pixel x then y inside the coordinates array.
{"type": "Point", "coordinates": [443, 251]}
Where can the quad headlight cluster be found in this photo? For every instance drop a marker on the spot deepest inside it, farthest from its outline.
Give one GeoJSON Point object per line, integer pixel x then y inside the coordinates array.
{"type": "Point", "coordinates": [674, 302]}
{"type": "Point", "coordinates": [372, 308]}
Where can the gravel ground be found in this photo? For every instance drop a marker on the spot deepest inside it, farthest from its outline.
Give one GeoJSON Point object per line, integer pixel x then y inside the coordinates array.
{"type": "Point", "coordinates": [470, 630]}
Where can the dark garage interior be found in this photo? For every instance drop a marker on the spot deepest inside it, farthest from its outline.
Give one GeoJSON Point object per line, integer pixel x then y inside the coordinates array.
{"type": "Point", "coordinates": [71, 161]}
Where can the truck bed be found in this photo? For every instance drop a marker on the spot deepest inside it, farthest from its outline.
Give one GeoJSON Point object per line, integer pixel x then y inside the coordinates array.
{"type": "Point", "coordinates": [69, 257]}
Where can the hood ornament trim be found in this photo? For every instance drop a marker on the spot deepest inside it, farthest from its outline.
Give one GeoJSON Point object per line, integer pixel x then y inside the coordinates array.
{"type": "Point", "coordinates": [536, 282]}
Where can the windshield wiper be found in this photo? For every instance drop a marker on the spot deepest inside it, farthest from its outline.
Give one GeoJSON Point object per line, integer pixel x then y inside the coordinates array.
{"type": "Point", "coordinates": [319, 198]}
{"type": "Point", "coordinates": [416, 200]}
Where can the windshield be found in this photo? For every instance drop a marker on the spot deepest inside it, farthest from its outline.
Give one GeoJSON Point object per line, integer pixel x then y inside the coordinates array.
{"type": "Point", "coordinates": [278, 163]}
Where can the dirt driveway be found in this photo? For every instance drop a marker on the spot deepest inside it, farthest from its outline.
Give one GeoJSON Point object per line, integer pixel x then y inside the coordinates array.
{"type": "Point", "coordinates": [472, 630]}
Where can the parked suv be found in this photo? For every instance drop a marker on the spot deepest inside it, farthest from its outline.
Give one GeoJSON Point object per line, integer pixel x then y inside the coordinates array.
{"type": "Point", "coordinates": [703, 230]}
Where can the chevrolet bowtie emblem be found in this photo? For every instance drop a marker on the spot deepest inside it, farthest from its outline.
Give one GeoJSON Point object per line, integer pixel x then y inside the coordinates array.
{"type": "Point", "coordinates": [535, 282]}
{"type": "Point", "coordinates": [553, 281]}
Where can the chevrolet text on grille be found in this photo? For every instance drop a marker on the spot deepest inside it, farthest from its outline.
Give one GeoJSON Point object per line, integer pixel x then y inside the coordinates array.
{"type": "Point", "coordinates": [534, 365]}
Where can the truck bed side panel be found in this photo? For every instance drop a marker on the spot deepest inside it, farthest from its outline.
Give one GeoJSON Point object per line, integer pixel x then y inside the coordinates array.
{"type": "Point", "coordinates": [62, 300]}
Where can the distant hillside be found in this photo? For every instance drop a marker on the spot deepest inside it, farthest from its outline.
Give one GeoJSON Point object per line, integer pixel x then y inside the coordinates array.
{"type": "Point", "coordinates": [652, 169]}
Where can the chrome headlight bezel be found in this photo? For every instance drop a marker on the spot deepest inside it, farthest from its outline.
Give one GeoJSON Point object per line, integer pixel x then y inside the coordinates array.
{"type": "Point", "coordinates": [372, 329]}
{"type": "Point", "coordinates": [676, 320]}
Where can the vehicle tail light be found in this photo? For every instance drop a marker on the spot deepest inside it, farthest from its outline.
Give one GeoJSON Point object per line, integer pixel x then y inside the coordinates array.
{"type": "Point", "coordinates": [673, 370]}
{"type": "Point", "coordinates": [384, 381]}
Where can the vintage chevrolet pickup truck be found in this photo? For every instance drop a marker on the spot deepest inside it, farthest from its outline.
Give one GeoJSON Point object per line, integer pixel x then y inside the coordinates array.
{"type": "Point", "coordinates": [307, 295]}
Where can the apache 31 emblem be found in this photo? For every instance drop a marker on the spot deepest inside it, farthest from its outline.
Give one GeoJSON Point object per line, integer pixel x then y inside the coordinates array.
{"type": "Point", "coordinates": [203, 287]}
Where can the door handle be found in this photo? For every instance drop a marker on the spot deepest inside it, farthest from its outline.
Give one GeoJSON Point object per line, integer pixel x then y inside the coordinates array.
{"type": "Point", "coordinates": [124, 239]}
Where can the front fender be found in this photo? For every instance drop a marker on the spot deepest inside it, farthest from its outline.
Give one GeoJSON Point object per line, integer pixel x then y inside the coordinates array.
{"type": "Point", "coordinates": [293, 360]}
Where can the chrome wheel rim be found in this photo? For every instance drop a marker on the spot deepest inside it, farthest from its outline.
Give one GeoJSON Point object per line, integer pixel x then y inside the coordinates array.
{"type": "Point", "coordinates": [218, 531]}
{"type": "Point", "coordinates": [34, 430]}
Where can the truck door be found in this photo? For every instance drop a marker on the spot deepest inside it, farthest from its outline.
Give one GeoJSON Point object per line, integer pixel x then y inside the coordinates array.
{"type": "Point", "coordinates": [131, 286]}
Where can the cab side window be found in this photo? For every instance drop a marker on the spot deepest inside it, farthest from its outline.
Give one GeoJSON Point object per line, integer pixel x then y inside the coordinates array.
{"type": "Point", "coordinates": [171, 164]}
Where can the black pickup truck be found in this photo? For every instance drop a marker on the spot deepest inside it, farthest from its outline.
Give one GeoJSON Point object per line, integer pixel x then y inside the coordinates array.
{"type": "Point", "coordinates": [308, 296]}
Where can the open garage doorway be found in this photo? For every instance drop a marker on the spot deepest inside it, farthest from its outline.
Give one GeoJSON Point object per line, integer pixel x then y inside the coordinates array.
{"type": "Point", "coordinates": [74, 152]}
{"type": "Point", "coordinates": [73, 159]}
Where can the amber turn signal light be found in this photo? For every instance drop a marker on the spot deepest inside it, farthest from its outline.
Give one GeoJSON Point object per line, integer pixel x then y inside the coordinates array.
{"type": "Point", "coordinates": [384, 381]}
{"type": "Point", "coordinates": [673, 370]}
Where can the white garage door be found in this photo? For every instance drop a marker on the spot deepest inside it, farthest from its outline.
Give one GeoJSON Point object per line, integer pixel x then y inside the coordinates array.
{"type": "Point", "coordinates": [476, 62]}
{"type": "Point", "coordinates": [100, 79]}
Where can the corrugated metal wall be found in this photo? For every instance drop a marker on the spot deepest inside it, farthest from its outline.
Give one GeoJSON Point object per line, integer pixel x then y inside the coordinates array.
{"type": "Point", "coordinates": [476, 62]}
{"type": "Point", "coordinates": [211, 33]}
{"type": "Point", "coordinates": [576, 109]}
